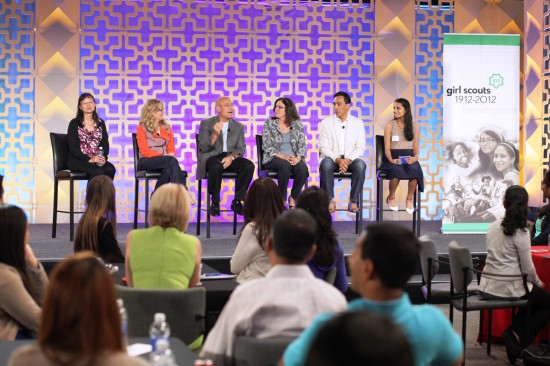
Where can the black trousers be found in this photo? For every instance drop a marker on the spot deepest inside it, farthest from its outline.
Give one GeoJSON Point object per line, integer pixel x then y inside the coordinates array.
{"type": "Point", "coordinates": [92, 169]}
{"type": "Point", "coordinates": [284, 169]}
{"type": "Point", "coordinates": [244, 169]}
{"type": "Point", "coordinates": [540, 315]}
{"type": "Point", "coordinates": [169, 167]}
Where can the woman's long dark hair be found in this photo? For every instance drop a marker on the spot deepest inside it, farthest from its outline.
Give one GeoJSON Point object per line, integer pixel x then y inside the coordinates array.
{"type": "Point", "coordinates": [315, 201]}
{"type": "Point", "coordinates": [409, 130]}
{"type": "Point", "coordinates": [485, 160]}
{"type": "Point", "coordinates": [515, 202]}
{"type": "Point", "coordinates": [545, 210]}
{"type": "Point", "coordinates": [291, 113]}
{"type": "Point", "coordinates": [80, 114]}
{"type": "Point", "coordinates": [262, 205]}
{"type": "Point", "coordinates": [100, 202]}
{"type": "Point", "coordinates": [13, 228]}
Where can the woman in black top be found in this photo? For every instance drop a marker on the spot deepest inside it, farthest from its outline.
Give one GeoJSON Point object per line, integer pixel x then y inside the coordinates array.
{"type": "Point", "coordinates": [88, 141]}
{"type": "Point", "coordinates": [541, 227]}
{"type": "Point", "coordinates": [96, 230]}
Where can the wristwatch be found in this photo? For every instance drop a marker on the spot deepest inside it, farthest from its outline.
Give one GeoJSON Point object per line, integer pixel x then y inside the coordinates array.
{"type": "Point", "coordinates": [233, 156]}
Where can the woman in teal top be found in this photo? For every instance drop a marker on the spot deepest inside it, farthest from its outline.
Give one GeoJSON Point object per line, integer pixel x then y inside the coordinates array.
{"type": "Point", "coordinates": [163, 256]}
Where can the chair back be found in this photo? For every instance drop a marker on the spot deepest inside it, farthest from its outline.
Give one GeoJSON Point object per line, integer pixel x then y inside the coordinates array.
{"type": "Point", "coordinates": [260, 151]}
{"type": "Point", "coordinates": [184, 309]}
{"type": "Point", "coordinates": [136, 151]}
{"type": "Point", "coordinates": [427, 251]}
{"type": "Point", "coordinates": [331, 275]}
{"type": "Point", "coordinates": [250, 351]}
{"type": "Point", "coordinates": [379, 151]}
{"type": "Point", "coordinates": [460, 258]}
{"type": "Point", "coordinates": [60, 151]}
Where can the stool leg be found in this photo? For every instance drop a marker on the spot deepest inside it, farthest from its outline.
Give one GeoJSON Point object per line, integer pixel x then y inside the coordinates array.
{"type": "Point", "coordinates": [146, 202]}
{"type": "Point", "coordinates": [207, 212]}
{"type": "Point", "coordinates": [414, 214]}
{"type": "Point", "coordinates": [71, 211]}
{"type": "Point", "coordinates": [136, 202]}
{"type": "Point", "coordinates": [199, 209]}
{"type": "Point", "coordinates": [54, 221]}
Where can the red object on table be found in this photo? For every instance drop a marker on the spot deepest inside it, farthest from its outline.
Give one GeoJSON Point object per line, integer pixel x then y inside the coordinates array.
{"type": "Point", "coordinates": [503, 318]}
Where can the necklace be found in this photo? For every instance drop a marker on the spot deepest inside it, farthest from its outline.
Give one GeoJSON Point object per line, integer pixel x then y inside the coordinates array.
{"type": "Point", "coordinates": [401, 126]}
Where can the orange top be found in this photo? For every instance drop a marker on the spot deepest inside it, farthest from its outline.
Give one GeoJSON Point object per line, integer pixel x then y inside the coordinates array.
{"type": "Point", "coordinates": [144, 148]}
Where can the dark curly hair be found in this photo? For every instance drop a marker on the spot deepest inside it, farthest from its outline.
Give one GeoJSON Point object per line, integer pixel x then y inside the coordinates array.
{"type": "Point", "coordinates": [291, 113]}
{"type": "Point", "coordinates": [409, 130]}
{"type": "Point", "coordinates": [315, 201]}
{"type": "Point", "coordinates": [515, 202]}
{"type": "Point", "coordinates": [544, 210]}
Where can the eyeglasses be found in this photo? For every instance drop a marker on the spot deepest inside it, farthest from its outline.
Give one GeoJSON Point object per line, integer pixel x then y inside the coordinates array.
{"type": "Point", "coordinates": [87, 103]}
{"type": "Point", "coordinates": [487, 140]}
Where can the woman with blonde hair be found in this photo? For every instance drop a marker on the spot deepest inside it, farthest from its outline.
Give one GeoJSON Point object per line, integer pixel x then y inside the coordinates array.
{"type": "Point", "coordinates": [79, 319]}
{"type": "Point", "coordinates": [156, 145]}
{"type": "Point", "coordinates": [96, 230]}
{"type": "Point", "coordinates": [163, 255]}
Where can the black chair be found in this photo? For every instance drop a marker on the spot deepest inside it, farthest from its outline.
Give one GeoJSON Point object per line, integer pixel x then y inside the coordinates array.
{"type": "Point", "coordinates": [60, 152]}
{"type": "Point", "coordinates": [250, 351]}
{"type": "Point", "coordinates": [380, 177]}
{"type": "Point", "coordinates": [263, 172]}
{"type": "Point", "coordinates": [462, 273]}
{"type": "Point", "coordinates": [146, 175]}
{"type": "Point", "coordinates": [225, 175]}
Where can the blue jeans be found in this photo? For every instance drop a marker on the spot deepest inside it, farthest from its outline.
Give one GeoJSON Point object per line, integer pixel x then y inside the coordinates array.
{"type": "Point", "coordinates": [356, 168]}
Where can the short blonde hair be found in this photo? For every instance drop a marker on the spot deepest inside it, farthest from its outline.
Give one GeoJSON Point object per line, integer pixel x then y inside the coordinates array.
{"type": "Point", "coordinates": [170, 206]}
{"type": "Point", "coordinates": [151, 106]}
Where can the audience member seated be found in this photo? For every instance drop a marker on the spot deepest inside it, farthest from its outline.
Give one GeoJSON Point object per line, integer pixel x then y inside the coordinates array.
{"type": "Point", "coordinates": [330, 253]}
{"type": "Point", "coordinates": [22, 278]}
{"type": "Point", "coordinates": [282, 303]}
{"type": "Point", "coordinates": [360, 338]}
{"type": "Point", "coordinates": [541, 227]}
{"type": "Point", "coordinates": [80, 320]}
{"type": "Point", "coordinates": [509, 253]}
{"type": "Point", "coordinates": [385, 257]}
{"type": "Point", "coordinates": [163, 255]}
{"type": "Point", "coordinates": [96, 229]}
{"type": "Point", "coordinates": [262, 206]}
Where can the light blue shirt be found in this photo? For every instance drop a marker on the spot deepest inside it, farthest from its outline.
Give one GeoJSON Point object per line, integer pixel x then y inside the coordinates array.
{"type": "Point", "coordinates": [225, 128]}
{"type": "Point", "coordinates": [286, 146]}
{"type": "Point", "coordinates": [432, 337]}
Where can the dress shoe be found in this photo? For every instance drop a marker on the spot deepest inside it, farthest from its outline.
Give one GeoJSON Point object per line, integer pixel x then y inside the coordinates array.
{"type": "Point", "coordinates": [409, 208]}
{"type": "Point", "coordinates": [237, 206]}
{"type": "Point", "coordinates": [513, 348]}
{"type": "Point", "coordinates": [394, 207]}
{"type": "Point", "coordinates": [215, 209]}
{"type": "Point", "coordinates": [353, 207]}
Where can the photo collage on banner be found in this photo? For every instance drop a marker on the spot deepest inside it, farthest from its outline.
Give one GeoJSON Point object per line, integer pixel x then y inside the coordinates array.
{"type": "Point", "coordinates": [480, 128]}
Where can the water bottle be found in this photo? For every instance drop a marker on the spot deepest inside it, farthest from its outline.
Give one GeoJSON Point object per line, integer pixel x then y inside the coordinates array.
{"type": "Point", "coordinates": [162, 356]}
{"type": "Point", "coordinates": [100, 153]}
{"type": "Point", "coordinates": [159, 330]}
{"type": "Point", "coordinates": [123, 321]}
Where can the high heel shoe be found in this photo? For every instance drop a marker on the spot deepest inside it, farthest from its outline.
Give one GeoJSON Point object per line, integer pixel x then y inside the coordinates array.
{"type": "Point", "coordinates": [410, 210]}
{"type": "Point", "coordinates": [393, 208]}
{"type": "Point", "coordinates": [513, 348]}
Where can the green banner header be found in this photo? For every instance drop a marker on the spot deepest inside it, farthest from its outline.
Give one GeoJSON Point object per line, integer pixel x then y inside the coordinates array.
{"type": "Point", "coordinates": [465, 228]}
{"type": "Point", "coordinates": [481, 39]}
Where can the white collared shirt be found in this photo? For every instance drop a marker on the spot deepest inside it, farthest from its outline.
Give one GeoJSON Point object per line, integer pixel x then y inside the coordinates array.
{"type": "Point", "coordinates": [283, 303]}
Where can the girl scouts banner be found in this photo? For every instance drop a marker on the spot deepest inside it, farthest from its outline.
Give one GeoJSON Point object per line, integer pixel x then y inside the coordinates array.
{"type": "Point", "coordinates": [480, 128]}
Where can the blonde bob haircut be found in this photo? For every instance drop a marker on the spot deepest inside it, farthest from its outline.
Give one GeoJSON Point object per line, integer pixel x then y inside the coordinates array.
{"type": "Point", "coordinates": [150, 107]}
{"type": "Point", "coordinates": [170, 206]}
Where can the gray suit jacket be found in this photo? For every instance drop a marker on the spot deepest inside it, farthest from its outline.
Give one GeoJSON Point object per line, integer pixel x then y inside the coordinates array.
{"type": "Point", "coordinates": [235, 142]}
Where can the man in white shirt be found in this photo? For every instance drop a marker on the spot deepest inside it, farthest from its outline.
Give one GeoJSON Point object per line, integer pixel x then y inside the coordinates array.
{"type": "Point", "coordinates": [341, 146]}
{"type": "Point", "coordinates": [285, 301]}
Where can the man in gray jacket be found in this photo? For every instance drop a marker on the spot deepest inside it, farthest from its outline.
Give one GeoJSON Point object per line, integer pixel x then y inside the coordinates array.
{"type": "Point", "coordinates": [221, 147]}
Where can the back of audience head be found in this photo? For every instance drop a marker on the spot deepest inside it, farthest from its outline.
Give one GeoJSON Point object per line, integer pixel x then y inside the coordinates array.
{"type": "Point", "coordinates": [360, 338]}
{"type": "Point", "coordinates": [293, 236]}
{"type": "Point", "coordinates": [262, 206]}
{"type": "Point", "coordinates": [13, 238]}
{"type": "Point", "coordinates": [393, 251]}
{"type": "Point", "coordinates": [80, 313]}
{"type": "Point", "coordinates": [516, 201]}
{"type": "Point", "coordinates": [315, 201]}
{"type": "Point", "coordinates": [170, 206]}
{"type": "Point", "coordinates": [100, 202]}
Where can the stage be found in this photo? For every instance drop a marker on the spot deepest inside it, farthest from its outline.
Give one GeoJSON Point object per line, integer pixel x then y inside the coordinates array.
{"type": "Point", "coordinates": [222, 242]}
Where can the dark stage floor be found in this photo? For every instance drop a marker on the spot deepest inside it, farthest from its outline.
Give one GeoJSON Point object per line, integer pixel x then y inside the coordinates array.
{"type": "Point", "coordinates": [222, 242]}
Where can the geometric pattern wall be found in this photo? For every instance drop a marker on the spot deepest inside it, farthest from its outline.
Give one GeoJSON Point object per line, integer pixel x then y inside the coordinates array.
{"type": "Point", "coordinates": [188, 53]}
